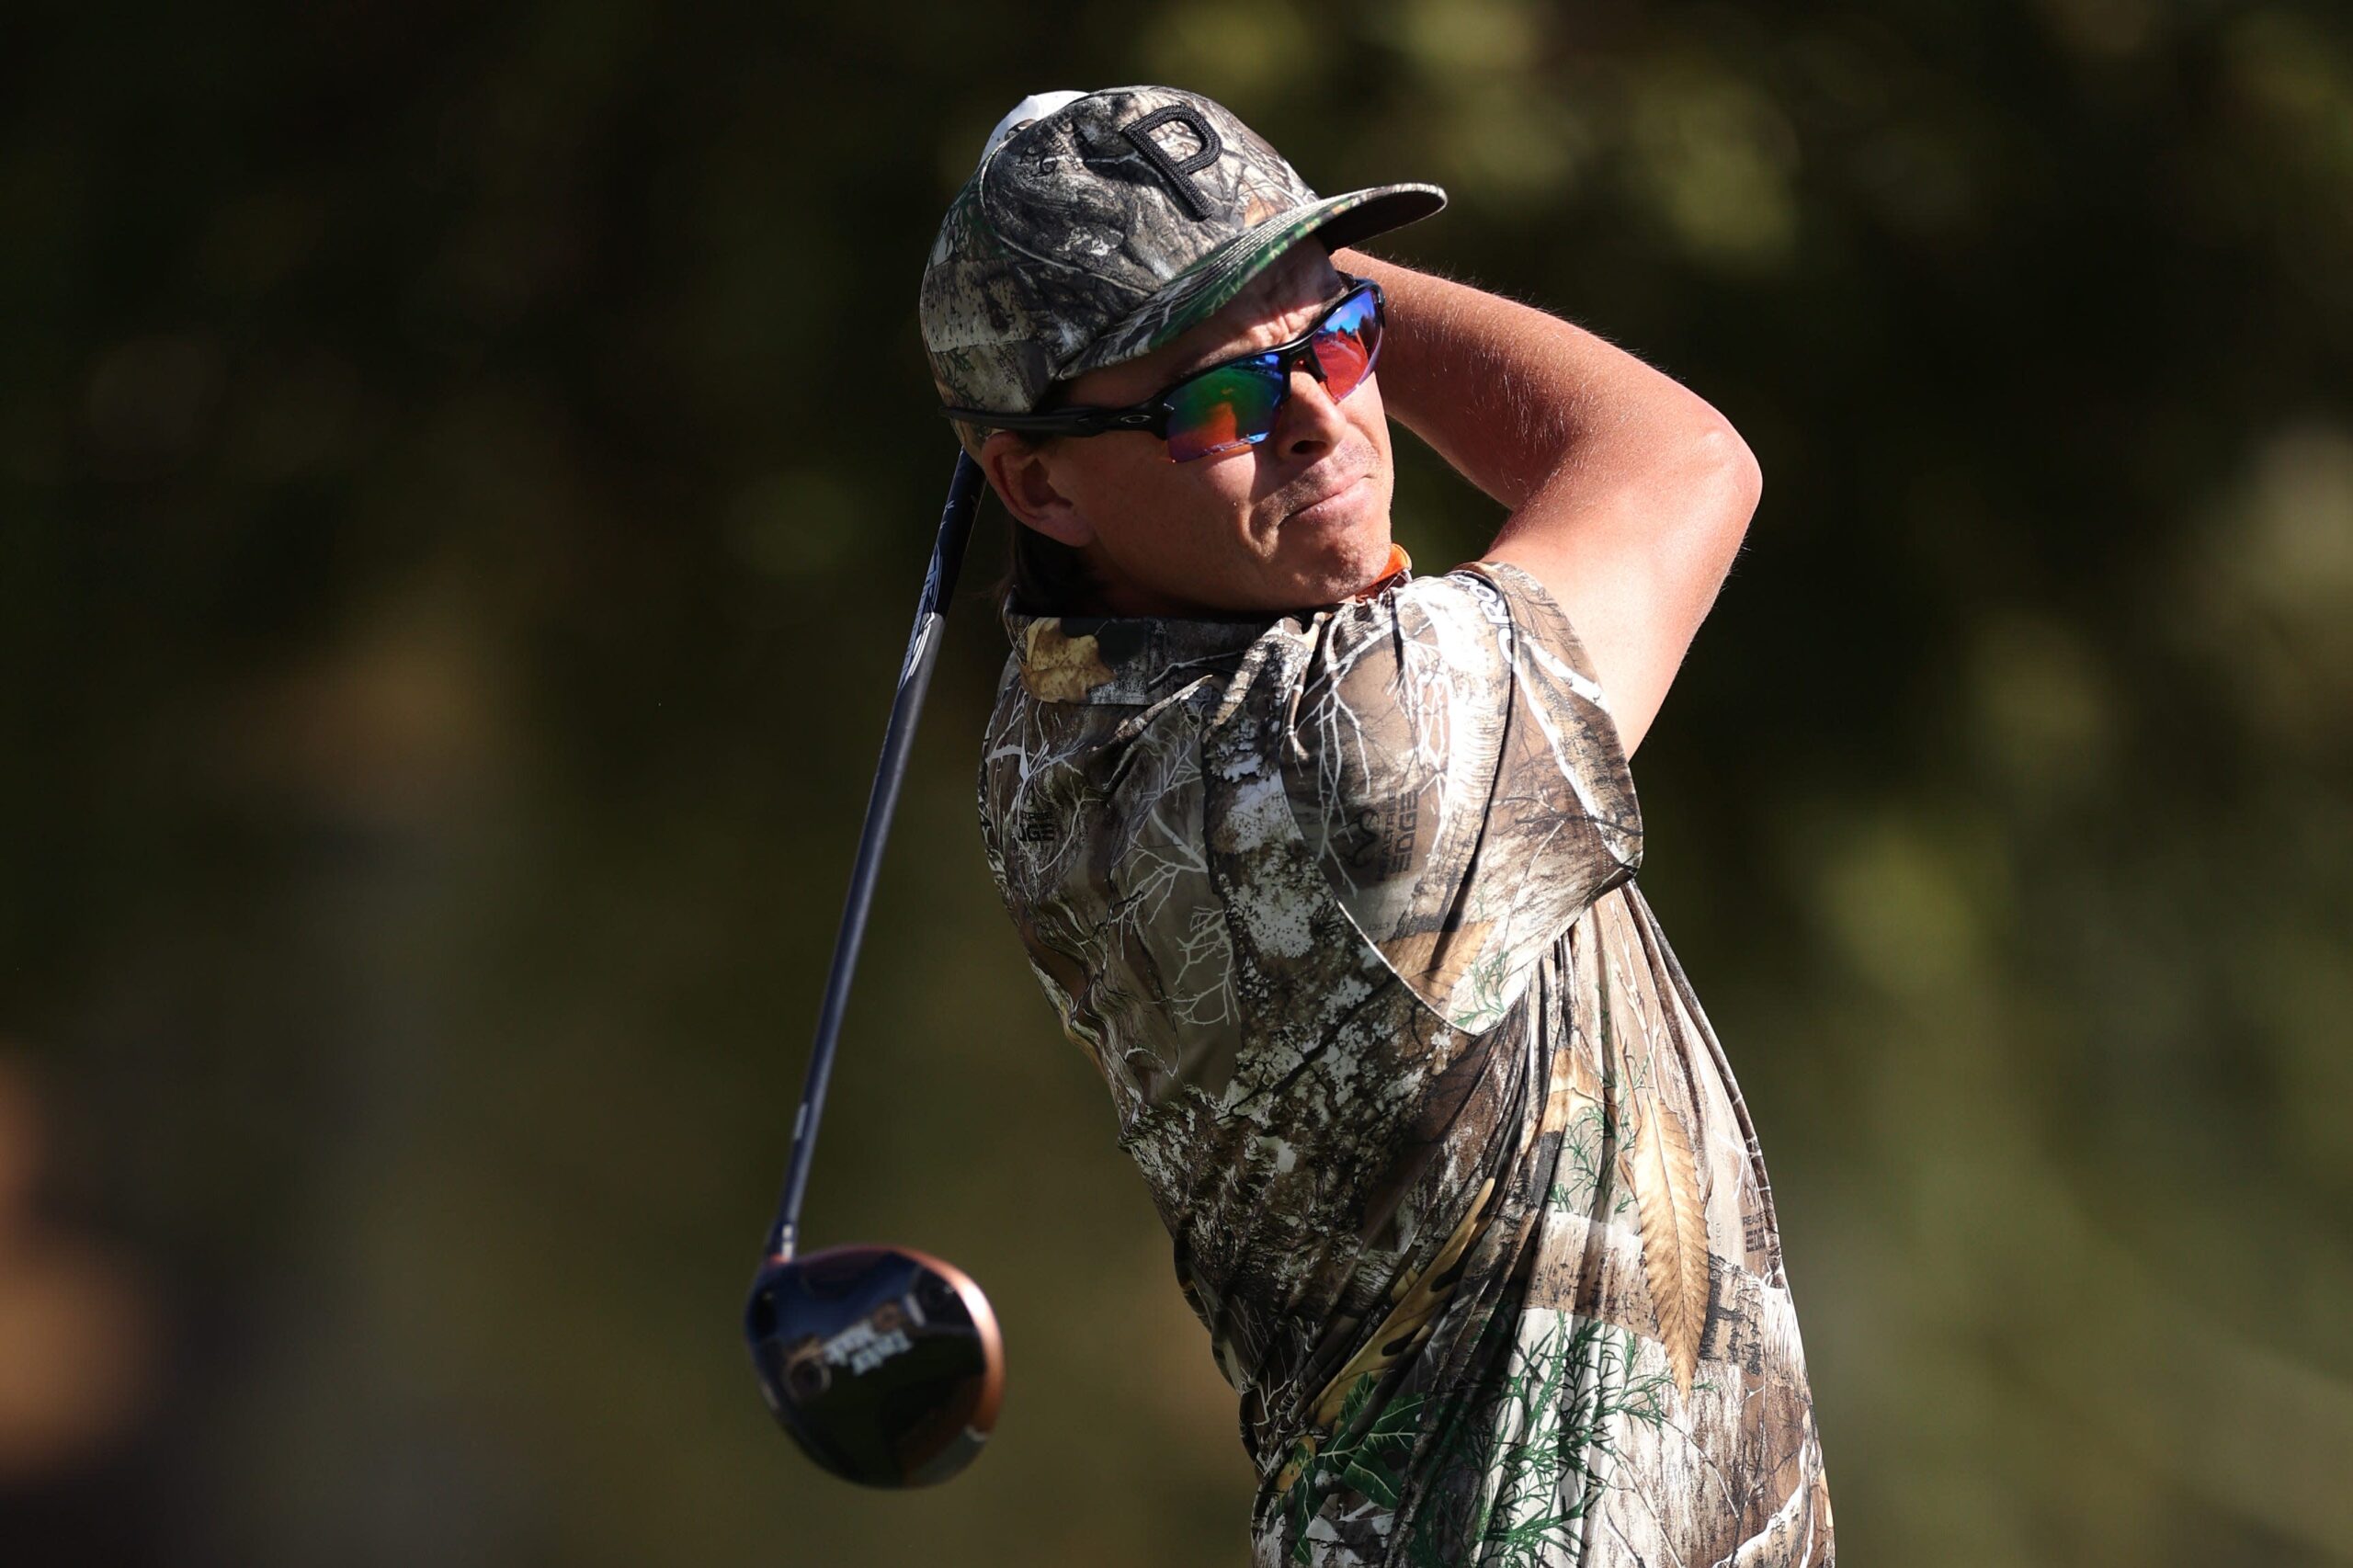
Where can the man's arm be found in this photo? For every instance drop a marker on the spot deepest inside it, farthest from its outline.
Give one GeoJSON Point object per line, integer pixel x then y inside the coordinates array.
{"type": "Point", "coordinates": [1629, 493]}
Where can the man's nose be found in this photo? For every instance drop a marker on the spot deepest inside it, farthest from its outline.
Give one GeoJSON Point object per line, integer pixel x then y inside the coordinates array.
{"type": "Point", "coordinates": [1311, 421]}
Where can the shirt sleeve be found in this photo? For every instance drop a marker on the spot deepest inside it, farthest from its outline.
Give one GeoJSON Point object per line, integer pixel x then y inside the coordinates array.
{"type": "Point", "coordinates": [1454, 768]}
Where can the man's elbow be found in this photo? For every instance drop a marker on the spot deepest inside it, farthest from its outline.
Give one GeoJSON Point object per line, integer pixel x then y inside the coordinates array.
{"type": "Point", "coordinates": [1734, 483]}
{"type": "Point", "coordinates": [1726, 483]}
{"type": "Point", "coordinates": [1720, 450]}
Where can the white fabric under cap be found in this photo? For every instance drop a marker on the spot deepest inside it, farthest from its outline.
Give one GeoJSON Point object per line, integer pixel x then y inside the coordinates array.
{"type": "Point", "coordinates": [1037, 106]}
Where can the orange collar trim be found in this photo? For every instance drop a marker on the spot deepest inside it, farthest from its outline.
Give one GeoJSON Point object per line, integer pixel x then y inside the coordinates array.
{"type": "Point", "coordinates": [1398, 565]}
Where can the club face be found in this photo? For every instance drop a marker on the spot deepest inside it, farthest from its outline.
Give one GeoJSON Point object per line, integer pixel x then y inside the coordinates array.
{"type": "Point", "coordinates": [883, 1363]}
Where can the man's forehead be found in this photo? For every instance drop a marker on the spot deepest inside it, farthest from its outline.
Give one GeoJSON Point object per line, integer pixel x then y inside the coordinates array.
{"type": "Point", "coordinates": [1292, 287]}
{"type": "Point", "coordinates": [1280, 297]}
{"type": "Point", "coordinates": [1301, 280]}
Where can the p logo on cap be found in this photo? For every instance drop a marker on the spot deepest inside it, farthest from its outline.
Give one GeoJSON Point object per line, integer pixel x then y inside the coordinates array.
{"type": "Point", "coordinates": [1178, 176]}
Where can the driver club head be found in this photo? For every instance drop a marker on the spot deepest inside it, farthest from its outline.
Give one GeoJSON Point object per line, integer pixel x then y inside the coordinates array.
{"type": "Point", "coordinates": [883, 1363]}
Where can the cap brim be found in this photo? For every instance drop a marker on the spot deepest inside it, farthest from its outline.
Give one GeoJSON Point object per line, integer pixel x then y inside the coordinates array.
{"type": "Point", "coordinates": [1201, 290]}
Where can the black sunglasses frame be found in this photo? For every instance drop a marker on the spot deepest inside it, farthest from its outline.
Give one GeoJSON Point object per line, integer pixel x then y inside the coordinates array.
{"type": "Point", "coordinates": [1150, 417]}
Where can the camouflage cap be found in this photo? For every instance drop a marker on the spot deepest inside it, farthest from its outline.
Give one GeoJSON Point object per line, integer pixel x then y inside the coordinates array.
{"type": "Point", "coordinates": [1110, 226]}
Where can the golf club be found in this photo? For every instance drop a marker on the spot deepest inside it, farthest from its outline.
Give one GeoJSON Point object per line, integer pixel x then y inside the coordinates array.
{"type": "Point", "coordinates": [883, 1363]}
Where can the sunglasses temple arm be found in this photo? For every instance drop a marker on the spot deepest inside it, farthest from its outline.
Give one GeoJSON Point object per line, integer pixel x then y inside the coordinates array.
{"type": "Point", "coordinates": [898, 740]}
{"type": "Point", "coordinates": [1065, 422]}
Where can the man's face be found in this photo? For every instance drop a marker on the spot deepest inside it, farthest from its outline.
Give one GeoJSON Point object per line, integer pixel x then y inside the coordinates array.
{"type": "Point", "coordinates": [1300, 519]}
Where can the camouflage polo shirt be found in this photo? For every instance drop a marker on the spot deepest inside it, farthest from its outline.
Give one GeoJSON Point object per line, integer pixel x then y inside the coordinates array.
{"type": "Point", "coordinates": [1341, 907]}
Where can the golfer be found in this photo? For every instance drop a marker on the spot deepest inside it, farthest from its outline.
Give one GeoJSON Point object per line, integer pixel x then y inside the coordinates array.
{"type": "Point", "coordinates": [1329, 867]}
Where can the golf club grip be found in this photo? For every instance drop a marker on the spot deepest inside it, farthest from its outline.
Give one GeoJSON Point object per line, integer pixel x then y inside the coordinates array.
{"type": "Point", "coordinates": [898, 740]}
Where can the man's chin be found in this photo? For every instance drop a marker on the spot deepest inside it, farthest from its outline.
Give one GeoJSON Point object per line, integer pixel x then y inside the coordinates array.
{"type": "Point", "coordinates": [1344, 573]}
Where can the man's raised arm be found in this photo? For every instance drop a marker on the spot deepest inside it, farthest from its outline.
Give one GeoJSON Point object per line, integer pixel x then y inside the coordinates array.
{"type": "Point", "coordinates": [1628, 493]}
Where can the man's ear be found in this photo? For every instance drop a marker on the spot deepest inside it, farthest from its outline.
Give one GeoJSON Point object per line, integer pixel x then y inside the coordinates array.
{"type": "Point", "coordinates": [1019, 474]}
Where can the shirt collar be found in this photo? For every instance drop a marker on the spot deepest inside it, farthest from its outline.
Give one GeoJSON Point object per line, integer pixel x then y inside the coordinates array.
{"type": "Point", "coordinates": [1121, 659]}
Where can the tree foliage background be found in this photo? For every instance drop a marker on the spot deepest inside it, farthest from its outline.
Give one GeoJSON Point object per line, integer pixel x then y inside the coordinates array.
{"type": "Point", "coordinates": [466, 475]}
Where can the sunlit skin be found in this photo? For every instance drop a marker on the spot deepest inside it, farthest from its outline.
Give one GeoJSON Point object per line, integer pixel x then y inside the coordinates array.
{"type": "Point", "coordinates": [1298, 520]}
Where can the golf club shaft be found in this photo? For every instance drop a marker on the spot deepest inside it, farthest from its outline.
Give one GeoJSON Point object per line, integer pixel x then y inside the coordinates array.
{"type": "Point", "coordinates": [914, 678]}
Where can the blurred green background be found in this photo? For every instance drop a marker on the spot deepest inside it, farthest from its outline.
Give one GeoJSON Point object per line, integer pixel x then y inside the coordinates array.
{"type": "Point", "coordinates": [466, 475]}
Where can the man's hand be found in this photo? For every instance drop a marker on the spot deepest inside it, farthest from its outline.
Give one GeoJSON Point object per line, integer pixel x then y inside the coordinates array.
{"type": "Point", "coordinates": [1629, 493]}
